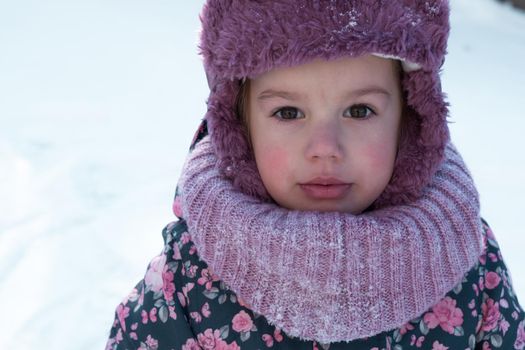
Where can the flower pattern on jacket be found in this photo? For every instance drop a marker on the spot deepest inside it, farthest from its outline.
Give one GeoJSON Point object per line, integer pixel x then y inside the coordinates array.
{"type": "Point", "coordinates": [182, 304]}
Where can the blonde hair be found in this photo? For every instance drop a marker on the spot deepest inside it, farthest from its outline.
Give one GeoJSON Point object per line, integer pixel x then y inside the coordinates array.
{"type": "Point", "coordinates": [241, 104]}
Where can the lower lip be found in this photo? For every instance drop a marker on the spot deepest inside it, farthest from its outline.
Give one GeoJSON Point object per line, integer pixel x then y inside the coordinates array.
{"type": "Point", "coordinates": [325, 191]}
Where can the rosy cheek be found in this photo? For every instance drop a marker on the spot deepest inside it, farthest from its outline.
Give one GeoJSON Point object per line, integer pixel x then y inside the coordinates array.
{"type": "Point", "coordinates": [380, 160]}
{"type": "Point", "coordinates": [273, 164]}
{"type": "Point", "coordinates": [273, 161]}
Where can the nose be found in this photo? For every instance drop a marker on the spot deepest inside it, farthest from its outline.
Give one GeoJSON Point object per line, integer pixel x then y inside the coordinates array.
{"type": "Point", "coordinates": [324, 142]}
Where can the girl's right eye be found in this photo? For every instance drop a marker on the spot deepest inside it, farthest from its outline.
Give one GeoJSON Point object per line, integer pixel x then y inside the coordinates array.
{"type": "Point", "coordinates": [288, 113]}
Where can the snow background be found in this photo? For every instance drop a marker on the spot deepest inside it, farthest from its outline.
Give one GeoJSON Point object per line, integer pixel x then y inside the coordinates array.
{"type": "Point", "coordinates": [98, 103]}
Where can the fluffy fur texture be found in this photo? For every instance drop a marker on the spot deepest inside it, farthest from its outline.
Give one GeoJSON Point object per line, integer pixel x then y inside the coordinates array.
{"type": "Point", "coordinates": [244, 38]}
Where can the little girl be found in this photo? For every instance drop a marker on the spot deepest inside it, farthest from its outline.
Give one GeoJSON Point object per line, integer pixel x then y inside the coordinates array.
{"type": "Point", "coordinates": [322, 204]}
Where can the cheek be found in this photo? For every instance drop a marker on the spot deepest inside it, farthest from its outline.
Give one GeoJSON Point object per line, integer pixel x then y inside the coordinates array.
{"type": "Point", "coordinates": [381, 155]}
{"type": "Point", "coordinates": [379, 159]}
{"type": "Point", "coordinates": [272, 162]}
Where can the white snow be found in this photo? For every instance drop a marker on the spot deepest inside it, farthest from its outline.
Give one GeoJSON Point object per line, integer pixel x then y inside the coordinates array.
{"type": "Point", "coordinates": [98, 103]}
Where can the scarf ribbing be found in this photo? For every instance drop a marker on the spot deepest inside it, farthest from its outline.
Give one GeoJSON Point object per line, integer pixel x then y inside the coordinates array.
{"type": "Point", "coordinates": [334, 276]}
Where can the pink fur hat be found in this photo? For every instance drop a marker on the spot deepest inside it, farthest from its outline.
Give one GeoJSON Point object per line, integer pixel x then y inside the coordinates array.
{"type": "Point", "coordinates": [244, 38]}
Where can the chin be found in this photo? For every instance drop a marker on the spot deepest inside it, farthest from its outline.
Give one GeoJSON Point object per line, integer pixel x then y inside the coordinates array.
{"type": "Point", "coordinates": [323, 207]}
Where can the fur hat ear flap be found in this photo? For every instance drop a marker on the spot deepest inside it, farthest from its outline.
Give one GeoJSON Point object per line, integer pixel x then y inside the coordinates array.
{"type": "Point", "coordinates": [230, 141]}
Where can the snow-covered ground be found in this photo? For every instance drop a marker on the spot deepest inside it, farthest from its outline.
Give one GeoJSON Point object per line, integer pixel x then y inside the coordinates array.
{"type": "Point", "coordinates": [98, 102]}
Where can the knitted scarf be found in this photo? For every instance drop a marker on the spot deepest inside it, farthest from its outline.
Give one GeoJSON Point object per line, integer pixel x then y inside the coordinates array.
{"type": "Point", "coordinates": [334, 276]}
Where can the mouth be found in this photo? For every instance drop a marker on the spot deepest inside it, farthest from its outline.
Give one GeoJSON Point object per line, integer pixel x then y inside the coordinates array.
{"type": "Point", "coordinates": [325, 188]}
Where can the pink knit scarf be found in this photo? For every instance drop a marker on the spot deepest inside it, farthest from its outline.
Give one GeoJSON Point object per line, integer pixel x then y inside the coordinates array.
{"type": "Point", "coordinates": [334, 276]}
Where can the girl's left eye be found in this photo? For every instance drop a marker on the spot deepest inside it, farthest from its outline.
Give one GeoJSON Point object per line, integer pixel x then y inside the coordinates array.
{"type": "Point", "coordinates": [358, 112]}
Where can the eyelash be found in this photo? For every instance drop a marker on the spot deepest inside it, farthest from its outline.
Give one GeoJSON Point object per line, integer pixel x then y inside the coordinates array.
{"type": "Point", "coordinates": [369, 112]}
{"type": "Point", "coordinates": [280, 110]}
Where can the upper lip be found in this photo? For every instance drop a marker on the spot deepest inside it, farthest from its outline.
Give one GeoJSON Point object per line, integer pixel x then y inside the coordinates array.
{"type": "Point", "coordinates": [325, 181]}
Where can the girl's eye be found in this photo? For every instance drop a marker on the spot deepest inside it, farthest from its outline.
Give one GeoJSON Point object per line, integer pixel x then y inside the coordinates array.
{"type": "Point", "coordinates": [359, 112]}
{"type": "Point", "coordinates": [288, 113]}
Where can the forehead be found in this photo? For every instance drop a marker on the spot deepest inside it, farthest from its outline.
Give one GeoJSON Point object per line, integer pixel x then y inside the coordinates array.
{"type": "Point", "coordinates": [346, 73]}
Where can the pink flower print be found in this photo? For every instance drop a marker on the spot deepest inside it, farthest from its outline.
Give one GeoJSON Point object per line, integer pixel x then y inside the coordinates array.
{"type": "Point", "coordinates": [504, 326]}
{"type": "Point", "coordinates": [475, 287]}
{"type": "Point", "coordinates": [490, 234]}
{"type": "Point", "coordinates": [152, 343]}
{"type": "Point", "coordinates": [472, 306]}
{"type": "Point", "coordinates": [153, 278]}
{"type": "Point", "coordinates": [122, 314]}
{"type": "Point", "coordinates": [205, 310]}
{"type": "Point", "coordinates": [176, 252]}
{"type": "Point", "coordinates": [133, 335]}
{"type": "Point", "coordinates": [405, 328]}
{"type": "Point", "coordinates": [486, 346]}
{"type": "Point", "coordinates": [242, 322]}
{"type": "Point", "coordinates": [504, 303]}
{"type": "Point", "coordinates": [268, 340]}
{"type": "Point", "coordinates": [481, 284]}
{"type": "Point", "coordinates": [483, 259]}
{"type": "Point", "coordinates": [177, 209]}
{"type": "Point", "coordinates": [519, 344]}
{"type": "Point", "coordinates": [207, 278]}
{"type": "Point", "coordinates": [438, 346]}
{"type": "Point", "coordinates": [141, 296]}
{"type": "Point", "coordinates": [445, 314]}
{"type": "Point", "coordinates": [185, 238]}
{"type": "Point", "coordinates": [153, 315]}
{"type": "Point", "coordinates": [491, 314]}
{"type": "Point", "coordinates": [191, 344]}
{"type": "Point", "coordinates": [172, 312]}
{"type": "Point", "coordinates": [168, 287]}
{"type": "Point", "coordinates": [110, 345]}
{"type": "Point", "coordinates": [479, 324]}
{"type": "Point", "coordinates": [233, 346]}
{"type": "Point", "coordinates": [196, 316]}
{"type": "Point", "coordinates": [506, 280]}
{"type": "Point", "coordinates": [186, 288]}
{"type": "Point", "coordinates": [277, 335]}
{"type": "Point", "coordinates": [492, 280]}
{"type": "Point", "coordinates": [416, 341]}
{"type": "Point", "coordinates": [211, 340]}
{"type": "Point", "coordinates": [192, 271]}
{"type": "Point", "coordinates": [119, 336]}
{"type": "Point", "coordinates": [133, 295]}
{"type": "Point", "coordinates": [493, 257]}
{"type": "Point", "coordinates": [144, 315]}
{"type": "Point", "coordinates": [182, 299]}
{"type": "Point", "coordinates": [193, 250]}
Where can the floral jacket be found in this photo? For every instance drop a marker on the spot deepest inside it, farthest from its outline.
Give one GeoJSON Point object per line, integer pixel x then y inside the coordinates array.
{"type": "Point", "coordinates": [181, 304]}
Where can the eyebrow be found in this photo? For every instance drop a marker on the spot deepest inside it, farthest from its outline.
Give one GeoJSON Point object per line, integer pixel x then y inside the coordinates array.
{"type": "Point", "coordinates": [371, 90]}
{"type": "Point", "coordinates": [270, 93]}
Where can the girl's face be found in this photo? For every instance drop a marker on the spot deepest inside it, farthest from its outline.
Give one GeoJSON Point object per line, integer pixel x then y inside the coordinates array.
{"type": "Point", "coordinates": [325, 133]}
